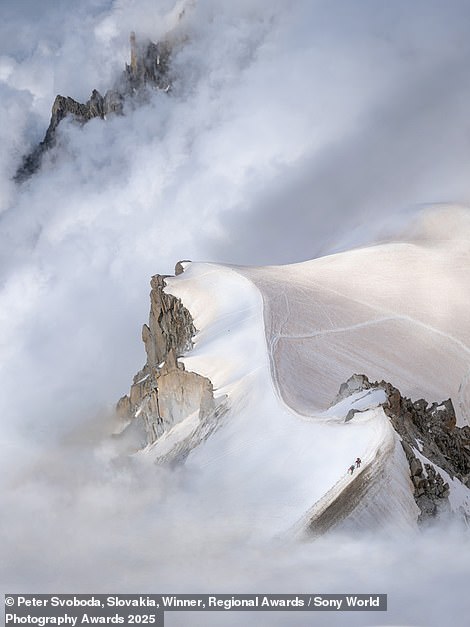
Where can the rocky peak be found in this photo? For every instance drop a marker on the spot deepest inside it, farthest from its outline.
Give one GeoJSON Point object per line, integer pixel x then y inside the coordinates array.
{"type": "Point", "coordinates": [164, 393]}
{"type": "Point", "coordinates": [149, 64]}
{"type": "Point", "coordinates": [149, 68]}
{"type": "Point", "coordinates": [170, 329]}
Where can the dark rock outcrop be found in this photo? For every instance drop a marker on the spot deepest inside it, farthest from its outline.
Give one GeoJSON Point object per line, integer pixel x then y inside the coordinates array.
{"type": "Point", "coordinates": [149, 67]}
{"type": "Point", "coordinates": [430, 430]}
{"type": "Point", "coordinates": [164, 393]}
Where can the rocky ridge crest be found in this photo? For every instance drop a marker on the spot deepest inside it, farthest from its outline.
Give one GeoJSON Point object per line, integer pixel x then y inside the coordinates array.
{"type": "Point", "coordinates": [163, 392]}
{"type": "Point", "coordinates": [149, 68]}
{"type": "Point", "coordinates": [426, 432]}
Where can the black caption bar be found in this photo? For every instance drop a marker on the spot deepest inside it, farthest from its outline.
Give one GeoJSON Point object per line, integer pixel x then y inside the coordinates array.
{"type": "Point", "coordinates": [149, 609]}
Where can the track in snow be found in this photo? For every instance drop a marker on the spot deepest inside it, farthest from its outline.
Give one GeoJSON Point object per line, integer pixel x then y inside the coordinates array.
{"type": "Point", "coordinates": [351, 490]}
{"type": "Point", "coordinates": [267, 446]}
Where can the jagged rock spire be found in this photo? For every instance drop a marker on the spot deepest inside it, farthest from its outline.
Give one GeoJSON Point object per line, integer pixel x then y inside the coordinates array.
{"type": "Point", "coordinates": [133, 53]}
{"type": "Point", "coordinates": [149, 66]}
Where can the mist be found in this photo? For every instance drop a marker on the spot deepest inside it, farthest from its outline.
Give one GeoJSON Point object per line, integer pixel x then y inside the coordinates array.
{"type": "Point", "coordinates": [292, 131]}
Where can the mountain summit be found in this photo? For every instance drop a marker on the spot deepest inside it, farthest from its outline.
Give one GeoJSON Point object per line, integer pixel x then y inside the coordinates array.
{"type": "Point", "coordinates": [149, 67]}
{"type": "Point", "coordinates": [242, 376]}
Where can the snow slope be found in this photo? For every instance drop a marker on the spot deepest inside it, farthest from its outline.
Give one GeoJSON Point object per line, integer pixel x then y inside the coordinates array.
{"type": "Point", "coordinates": [277, 342]}
{"type": "Point", "coordinates": [397, 312]}
{"type": "Point", "coordinates": [266, 464]}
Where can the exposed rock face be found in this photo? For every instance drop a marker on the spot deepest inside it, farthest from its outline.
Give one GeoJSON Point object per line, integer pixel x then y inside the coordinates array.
{"type": "Point", "coordinates": [429, 431]}
{"type": "Point", "coordinates": [163, 393]}
{"type": "Point", "coordinates": [150, 66]}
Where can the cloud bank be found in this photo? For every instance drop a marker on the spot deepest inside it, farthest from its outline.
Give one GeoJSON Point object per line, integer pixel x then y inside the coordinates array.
{"type": "Point", "coordinates": [291, 131]}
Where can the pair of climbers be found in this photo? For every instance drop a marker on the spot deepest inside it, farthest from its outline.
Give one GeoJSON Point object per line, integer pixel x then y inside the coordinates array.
{"type": "Point", "coordinates": [358, 463]}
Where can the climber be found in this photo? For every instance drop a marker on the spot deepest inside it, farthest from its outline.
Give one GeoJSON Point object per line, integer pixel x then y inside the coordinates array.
{"type": "Point", "coordinates": [351, 469]}
{"type": "Point", "coordinates": [358, 462]}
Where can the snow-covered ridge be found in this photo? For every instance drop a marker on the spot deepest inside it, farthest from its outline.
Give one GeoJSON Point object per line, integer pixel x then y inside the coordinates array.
{"type": "Point", "coordinates": [262, 447]}
{"type": "Point", "coordinates": [266, 460]}
{"type": "Point", "coordinates": [274, 345]}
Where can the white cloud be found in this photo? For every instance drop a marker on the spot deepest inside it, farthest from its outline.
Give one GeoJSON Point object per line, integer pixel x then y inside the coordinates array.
{"type": "Point", "coordinates": [292, 128]}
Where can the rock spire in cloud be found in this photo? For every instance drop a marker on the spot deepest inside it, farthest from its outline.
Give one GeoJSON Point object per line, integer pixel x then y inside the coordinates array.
{"type": "Point", "coordinates": [149, 67]}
